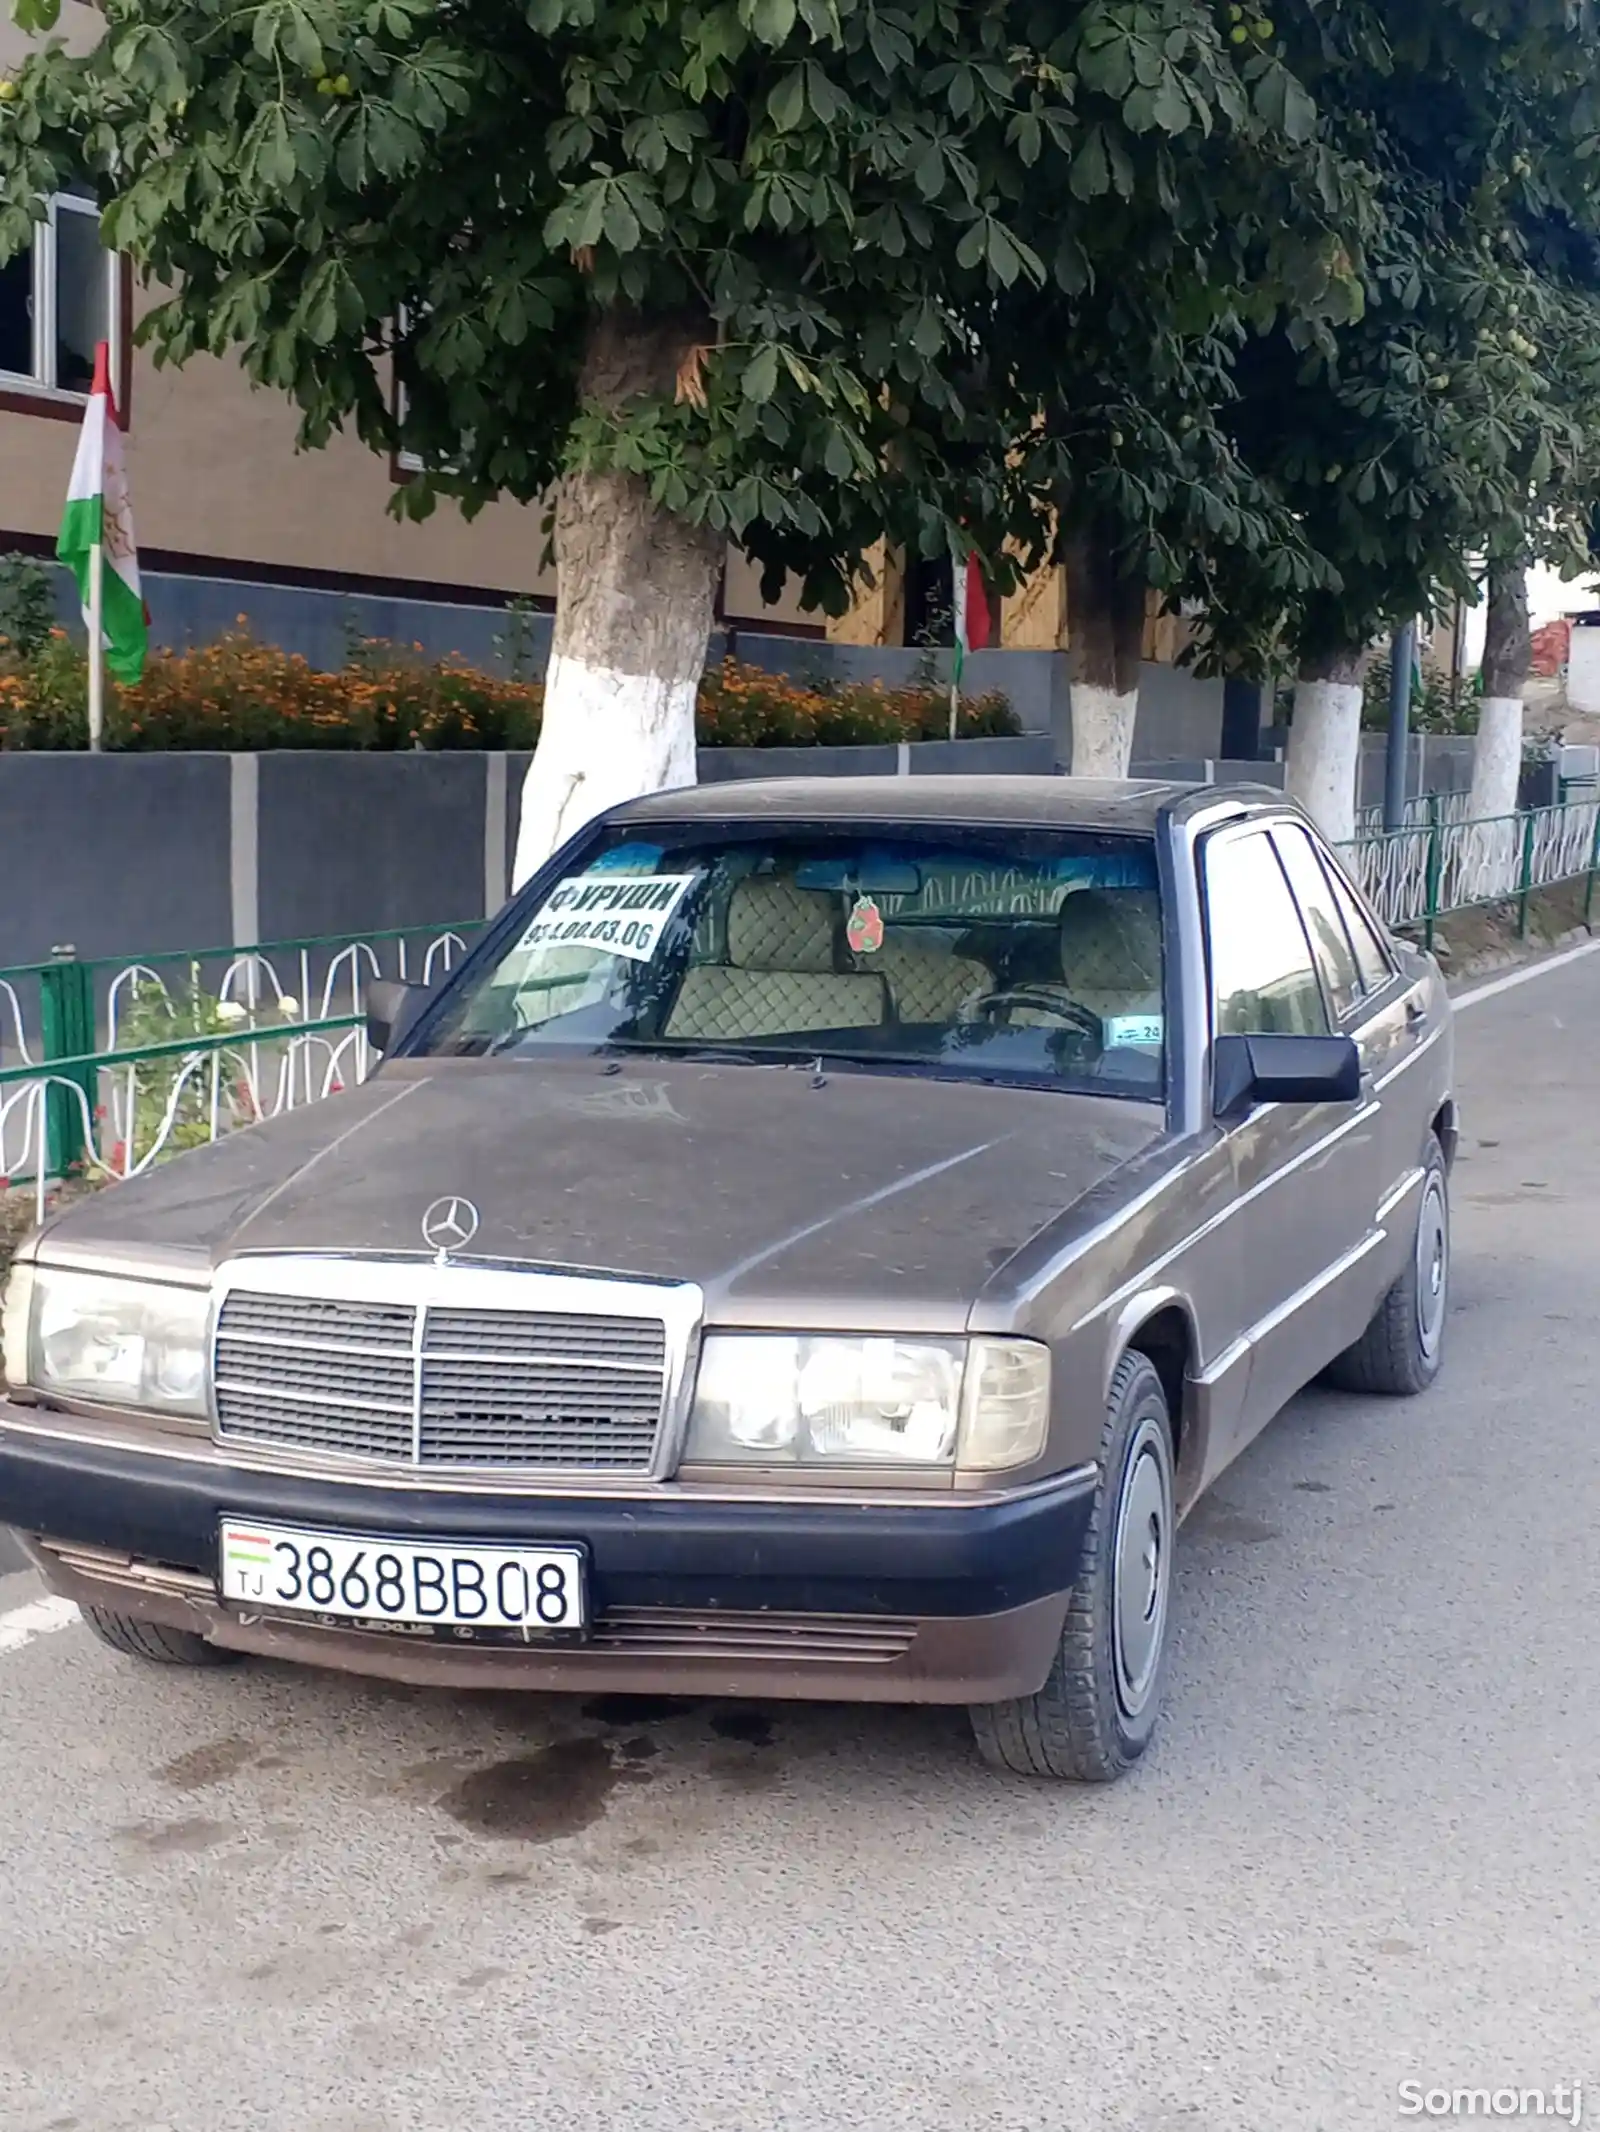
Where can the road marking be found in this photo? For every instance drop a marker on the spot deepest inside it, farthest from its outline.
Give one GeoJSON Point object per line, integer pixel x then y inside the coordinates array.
{"type": "Point", "coordinates": [1525, 976]}
{"type": "Point", "coordinates": [42, 1618]}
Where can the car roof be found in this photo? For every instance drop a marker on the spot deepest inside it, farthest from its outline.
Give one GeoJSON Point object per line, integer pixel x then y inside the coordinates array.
{"type": "Point", "coordinates": [1131, 805]}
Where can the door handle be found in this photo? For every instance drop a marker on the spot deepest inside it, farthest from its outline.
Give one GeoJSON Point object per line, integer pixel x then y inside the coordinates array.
{"type": "Point", "coordinates": [1415, 1012]}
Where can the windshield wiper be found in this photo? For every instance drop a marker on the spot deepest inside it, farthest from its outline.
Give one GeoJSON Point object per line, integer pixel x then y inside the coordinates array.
{"type": "Point", "coordinates": [709, 1054]}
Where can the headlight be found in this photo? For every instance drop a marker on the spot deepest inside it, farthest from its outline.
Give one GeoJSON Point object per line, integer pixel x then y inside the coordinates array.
{"type": "Point", "coordinates": [129, 1343]}
{"type": "Point", "coordinates": [774, 1399]}
{"type": "Point", "coordinates": [14, 1325]}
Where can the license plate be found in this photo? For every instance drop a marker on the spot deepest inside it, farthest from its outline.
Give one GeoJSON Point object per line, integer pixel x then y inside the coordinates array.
{"type": "Point", "coordinates": [402, 1584]}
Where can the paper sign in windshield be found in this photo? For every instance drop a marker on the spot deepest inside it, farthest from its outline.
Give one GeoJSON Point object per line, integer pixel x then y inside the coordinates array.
{"type": "Point", "coordinates": [620, 914]}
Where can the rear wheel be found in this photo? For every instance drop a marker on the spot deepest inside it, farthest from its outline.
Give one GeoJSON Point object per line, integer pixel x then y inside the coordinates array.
{"type": "Point", "coordinates": [152, 1641]}
{"type": "Point", "coordinates": [1400, 1352]}
{"type": "Point", "coordinates": [1095, 1715]}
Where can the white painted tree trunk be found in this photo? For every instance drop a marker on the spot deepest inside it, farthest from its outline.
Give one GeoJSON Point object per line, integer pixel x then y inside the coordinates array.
{"type": "Point", "coordinates": [1103, 720]}
{"type": "Point", "coordinates": [1497, 757]}
{"type": "Point", "coordinates": [607, 736]}
{"type": "Point", "coordinates": [1325, 748]}
{"type": "Point", "coordinates": [1493, 853]}
{"type": "Point", "coordinates": [1492, 847]}
{"type": "Point", "coordinates": [635, 593]}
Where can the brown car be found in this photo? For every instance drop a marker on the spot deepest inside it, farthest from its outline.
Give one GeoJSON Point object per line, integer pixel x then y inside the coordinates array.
{"type": "Point", "coordinates": [820, 1244]}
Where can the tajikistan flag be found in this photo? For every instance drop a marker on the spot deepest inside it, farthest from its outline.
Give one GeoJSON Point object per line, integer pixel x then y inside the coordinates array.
{"type": "Point", "coordinates": [98, 511]}
{"type": "Point", "coordinates": [971, 602]}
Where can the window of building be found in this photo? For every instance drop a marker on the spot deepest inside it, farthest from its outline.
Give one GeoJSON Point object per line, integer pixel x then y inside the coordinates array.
{"type": "Point", "coordinates": [1263, 980]}
{"type": "Point", "coordinates": [58, 297]}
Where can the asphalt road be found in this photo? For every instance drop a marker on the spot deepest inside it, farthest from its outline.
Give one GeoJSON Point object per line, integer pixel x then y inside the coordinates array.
{"type": "Point", "coordinates": [1366, 1850]}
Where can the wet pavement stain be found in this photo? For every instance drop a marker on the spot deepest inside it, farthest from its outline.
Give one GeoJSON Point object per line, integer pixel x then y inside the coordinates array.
{"type": "Point", "coordinates": [641, 1748]}
{"type": "Point", "coordinates": [179, 1836]}
{"type": "Point", "coordinates": [754, 1727]}
{"type": "Point", "coordinates": [214, 1763]}
{"type": "Point", "coordinates": [746, 1772]}
{"type": "Point", "coordinates": [537, 1798]}
{"type": "Point", "coordinates": [1313, 1488]}
{"type": "Point", "coordinates": [637, 1709]}
{"type": "Point", "coordinates": [1221, 1521]}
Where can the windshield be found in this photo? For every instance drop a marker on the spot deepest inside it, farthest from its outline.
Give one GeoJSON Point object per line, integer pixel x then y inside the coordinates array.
{"type": "Point", "coordinates": [1025, 955]}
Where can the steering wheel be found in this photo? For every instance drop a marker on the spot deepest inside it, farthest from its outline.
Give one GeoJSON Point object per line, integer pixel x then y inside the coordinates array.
{"type": "Point", "coordinates": [1041, 999]}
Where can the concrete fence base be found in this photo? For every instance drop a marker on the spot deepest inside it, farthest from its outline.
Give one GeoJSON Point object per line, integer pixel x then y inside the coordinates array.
{"type": "Point", "coordinates": [128, 855]}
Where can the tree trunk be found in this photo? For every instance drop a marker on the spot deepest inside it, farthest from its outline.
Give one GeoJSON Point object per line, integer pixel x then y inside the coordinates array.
{"type": "Point", "coordinates": [635, 592]}
{"type": "Point", "coordinates": [1507, 657]}
{"type": "Point", "coordinates": [1105, 619]}
{"type": "Point", "coordinates": [1325, 740]}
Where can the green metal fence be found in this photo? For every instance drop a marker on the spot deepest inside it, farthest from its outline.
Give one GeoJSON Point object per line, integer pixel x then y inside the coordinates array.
{"type": "Point", "coordinates": [107, 1066]}
{"type": "Point", "coordinates": [1418, 875]}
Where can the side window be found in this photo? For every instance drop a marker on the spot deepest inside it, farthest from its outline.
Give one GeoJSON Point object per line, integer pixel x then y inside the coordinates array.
{"type": "Point", "coordinates": [1263, 982]}
{"type": "Point", "coordinates": [1372, 957]}
{"type": "Point", "coordinates": [1330, 942]}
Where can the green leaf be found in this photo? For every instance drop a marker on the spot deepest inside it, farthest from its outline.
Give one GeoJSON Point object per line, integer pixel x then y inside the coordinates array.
{"type": "Point", "coordinates": [891, 47]}
{"type": "Point", "coordinates": [837, 456]}
{"type": "Point", "coordinates": [760, 380]}
{"type": "Point", "coordinates": [1091, 167]}
{"type": "Point", "coordinates": [1173, 111]}
{"type": "Point", "coordinates": [618, 222]}
{"type": "Point", "coordinates": [769, 20]}
{"type": "Point", "coordinates": [1299, 113]}
{"type": "Point", "coordinates": [786, 105]}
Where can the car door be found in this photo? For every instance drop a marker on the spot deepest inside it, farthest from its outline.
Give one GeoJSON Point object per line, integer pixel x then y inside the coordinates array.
{"type": "Point", "coordinates": [1302, 1174]}
{"type": "Point", "coordinates": [1403, 1017]}
{"type": "Point", "coordinates": [1368, 1002]}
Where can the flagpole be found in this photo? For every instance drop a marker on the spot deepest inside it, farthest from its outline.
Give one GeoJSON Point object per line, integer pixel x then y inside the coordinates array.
{"type": "Point", "coordinates": [958, 594]}
{"type": "Point", "coordinates": [96, 645]}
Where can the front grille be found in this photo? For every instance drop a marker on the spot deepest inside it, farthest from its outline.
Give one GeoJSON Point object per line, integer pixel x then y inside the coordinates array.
{"type": "Point", "coordinates": [619, 1632]}
{"type": "Point", "coordinates": [532, 1391]}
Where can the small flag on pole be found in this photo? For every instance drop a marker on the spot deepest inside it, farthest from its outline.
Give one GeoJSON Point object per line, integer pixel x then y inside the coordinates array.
{"type": "Point", "coordinates": [972, 619]}
{"type": "Point", "coordinates": [97, 542]}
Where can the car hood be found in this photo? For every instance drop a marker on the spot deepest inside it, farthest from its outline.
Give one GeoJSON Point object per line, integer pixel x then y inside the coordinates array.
{"type": "Point", "coordinates": [857, 1198]}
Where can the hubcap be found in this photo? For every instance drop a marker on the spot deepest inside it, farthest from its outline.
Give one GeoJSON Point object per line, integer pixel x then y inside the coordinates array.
{"type": "Point", "coordinates": [1433, 1267]}
{"type": "Point", "coordinates": [1142, 1550]}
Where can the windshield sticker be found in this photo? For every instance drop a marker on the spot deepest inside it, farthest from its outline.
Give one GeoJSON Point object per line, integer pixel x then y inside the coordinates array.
{"type": "Point", "coordinates": [865, 928]}
{"type": "Point", "coordinates": [627, 859]}
{"type": "Point", "coordinates": [1136, 1031]}
{"type": "Point", "coordinates": [618, 914]}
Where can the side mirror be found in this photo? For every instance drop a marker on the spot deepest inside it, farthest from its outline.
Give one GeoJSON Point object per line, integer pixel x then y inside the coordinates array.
{"type": "Point", "coordinates": [391, 1010]}
{"type": "Point", "coordinates": [1284, 1069]}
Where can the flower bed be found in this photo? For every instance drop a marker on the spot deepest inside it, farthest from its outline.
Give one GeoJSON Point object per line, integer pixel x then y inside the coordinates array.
{"type": "Point", "coordinates": [239, 694]}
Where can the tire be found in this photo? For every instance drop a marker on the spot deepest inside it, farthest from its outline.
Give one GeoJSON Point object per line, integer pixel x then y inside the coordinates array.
{"type": "Point", "coordinates": [1400, 1352]}
{"type": "Point", "coordinates": [153, 1642]}
{"type": "Point", "coordinates": [1095, 1715]}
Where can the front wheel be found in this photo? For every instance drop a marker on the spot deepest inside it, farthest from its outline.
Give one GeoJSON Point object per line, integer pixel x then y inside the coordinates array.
{"type": "Point", "coordinates": [1400, 1352]}
{"type": "Point", "coordinates": [1095, 1715]}
{"type": "Point", "coordinates": [152, 1641]}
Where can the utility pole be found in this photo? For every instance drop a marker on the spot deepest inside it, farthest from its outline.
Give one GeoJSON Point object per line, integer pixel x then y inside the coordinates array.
{"type": "Point", "coordinates": [1403, 653]}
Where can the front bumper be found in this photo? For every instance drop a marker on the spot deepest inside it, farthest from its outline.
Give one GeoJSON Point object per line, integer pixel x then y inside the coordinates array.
{"type": "Point", "coordinates": [949, 1599]}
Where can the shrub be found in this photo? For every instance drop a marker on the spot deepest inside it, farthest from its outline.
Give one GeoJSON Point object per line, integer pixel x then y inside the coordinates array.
{"type": "Point", "coordinates": [238, 694]}
{"type": "Point", "coordinates": [27, 605]}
